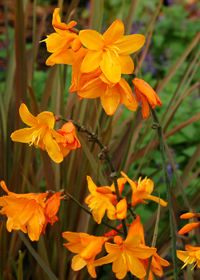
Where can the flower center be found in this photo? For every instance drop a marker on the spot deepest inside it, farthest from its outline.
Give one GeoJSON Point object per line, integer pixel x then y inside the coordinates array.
{"type": "Point", "coordinates": [36, 136]}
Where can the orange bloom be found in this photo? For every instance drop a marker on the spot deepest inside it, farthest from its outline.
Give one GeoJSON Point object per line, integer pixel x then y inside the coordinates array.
{"type": "Point", "coordinates": [189, 227]}
{"type": "Point", "coordinates": [103, 199]}
{"type": "Point", "coordinates": [87, 247]}
{"type": "Point", "coordinates": [58, 43]}
{"type": "Point", "coordinates": [41, 133]}
{"type": "Point", "coordinates": [25, 212]}
{"type": "Point", "coordinates": [125, 256]}
{"type": "Point", "coordinates": [191, 255]}
{"type": "Point", "coordinates": [95, 84]}
{"type": "Point", "coordinates": [51, 208]}
{"type": "Point", "coordinates": [190, 215]}
{"type": "Point", "coordinates": [142, 190]}
{"type": "Point", "coordinates": [68, 131]}
{"type": "Point", "coordinates": [145, 94]}
{"type": "Point", "coordinates": [110, 51]}
{"type": "Point", "coordinates": [157, 261]}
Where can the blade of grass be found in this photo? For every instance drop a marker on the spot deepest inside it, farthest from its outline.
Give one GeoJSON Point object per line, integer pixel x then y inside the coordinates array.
{"type": "Point", "coordinates": [37, 257]}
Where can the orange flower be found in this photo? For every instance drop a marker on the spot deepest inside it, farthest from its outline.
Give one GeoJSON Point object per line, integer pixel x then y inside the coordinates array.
{"type": "Point", "coordinates": [157, 261]}
{"type": "Point", "coordinates": [191, 255]}
{"type": "Point", "coordinates": [110, 51]}
{"type": "Point", "coordinates": [189, 227]}
{"type": "Point", "coordinates": [51, 208]}
{"type": "Point", "coordinates": [68, 131]}
{"type": "Point", "coordinates": [125, 256]}
{"type": "Point", "coordinates": [103, 199]}
{"type": "Point", "coordinates": [142, 190]}
{"type": "Point", "coordinates": [95, 84]}
{"type": "Point", "coordinates": [41, 133]}
{"type": "Point", "coordinates": [145, 94]}
{"type": "Point", "coordinates": [87, 247]}
{"type": "Point", "coordinates": [25, 212]}
{"type": "Point", "coordinates": [190, 215]}
{"type": "Point", "coordinates": [58, 43]}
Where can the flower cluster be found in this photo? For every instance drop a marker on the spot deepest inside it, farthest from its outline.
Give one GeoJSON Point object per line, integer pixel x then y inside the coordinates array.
{"type": "Point", "coordinates": [126, 255]}
{"type": "Point", "coordinates": [98, 62]}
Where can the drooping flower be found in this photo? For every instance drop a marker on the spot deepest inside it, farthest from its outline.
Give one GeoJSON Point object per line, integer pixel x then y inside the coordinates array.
{"type": "Point", "coordinates": [191, 255]}
{"type": "Point", "coordinates": [63, 44]}
{"type": "Point", "coordinates": [51, 208]}
{"type": "Point", "coordinates": [95, 84]}
{"type": "Point", "coordinates": [41, 133]}
{"type": "Point", "coordinates": [68, 131]}
{"type": "Point", "coordinates": [142, 190]}
{"type": "Point", "coordinates": [110, 51]}
{"type": "Point", "coordinates": [25, 212]}
{"type": "Point", "coordinates": [125, 256]}
{"type": "Point", "coordinates": [189, 227]}
{"type": "Point", "coordinates": [146, 95]}
{"type": "Point", "coordinates": [87, 247]}
{"type": "Point", "coordinates": [102, 199]}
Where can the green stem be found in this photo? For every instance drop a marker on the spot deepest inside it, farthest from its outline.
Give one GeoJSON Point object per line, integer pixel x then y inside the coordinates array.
{"type": "Point", "coordinates": [168, 188]}
{"type": "Point", "coordinates": [80, 205]}
{"type": "Point", "coordinates": [93, 137]}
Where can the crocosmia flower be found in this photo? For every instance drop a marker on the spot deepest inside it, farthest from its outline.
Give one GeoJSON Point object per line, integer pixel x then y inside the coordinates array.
{"type": "Point", "coordinates": [68, 131]}
{"type": "Point", "coordinates": [102, 199]}
{"type": "Point", "coordinates": [157, 262]}
{"type": "Point", "coordinates": [191, 255]}
{"type": "Point", "coordinates": [146, 95]}
{"type": "Point", "coordinates": [86, 247]}
{"type": "Point", "coordinates": [96, 84]}
{"type": "Point", "coordinates": [110, 51]}
{"type": "Point", "coordinates": [63, 44]}
{"type": "Point", "coordinates": [125, 254]}
{"type": "Point", "coordinates": [25, 212]}
{"type": "Point", "coordinates": [142, 190]}
{"type": "Point", "coordinates": [41, 133]}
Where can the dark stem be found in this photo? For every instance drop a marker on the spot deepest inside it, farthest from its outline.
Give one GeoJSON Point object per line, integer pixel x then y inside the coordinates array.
{"type": "Point", "coordinates": [168, 188]}
{"type": "Point", "coordinates": [80, 205]}
{"type": "Point", "coordinates": [94, 138]}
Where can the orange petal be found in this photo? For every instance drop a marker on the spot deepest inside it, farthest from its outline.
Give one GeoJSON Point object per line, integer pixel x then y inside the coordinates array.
{"type": "Point", "coordinates": [110, 67]}
{"type": "Point", "coordinates": [91, 39]}
{"type": "Point", "coordinates": [114, 32]}
{"type": "Point", "coordinates": [121, 209]}
{"type": "Point", "coordinates": [26, 116]}
{"type": "Point", "coordinates": [110, 101]}
{"type": "Point", "coordinates": [126, 63]}
{"type": "Point", "coordinates": [91, 61]}
{"type": "Point", "coordinates": [130, 44]}
{"type": "Point", "coordinates": [188, 228]}
{"type": "Point", "coordinates": [189, 215]}
{"type": "Point", "coordinates": [52, 148]}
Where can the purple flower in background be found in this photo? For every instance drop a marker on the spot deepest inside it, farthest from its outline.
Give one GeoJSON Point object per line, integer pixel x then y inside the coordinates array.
{"type": "Point", "coordinates": [136, 27]}
{"type": "Point", "coordinates": [149, 64]}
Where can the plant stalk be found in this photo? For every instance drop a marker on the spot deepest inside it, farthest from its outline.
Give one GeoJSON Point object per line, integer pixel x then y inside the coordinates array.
{"type": "Point", "coordinates": [168, 189]}
{"type": "Point", "coordinates": [93, 137]}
